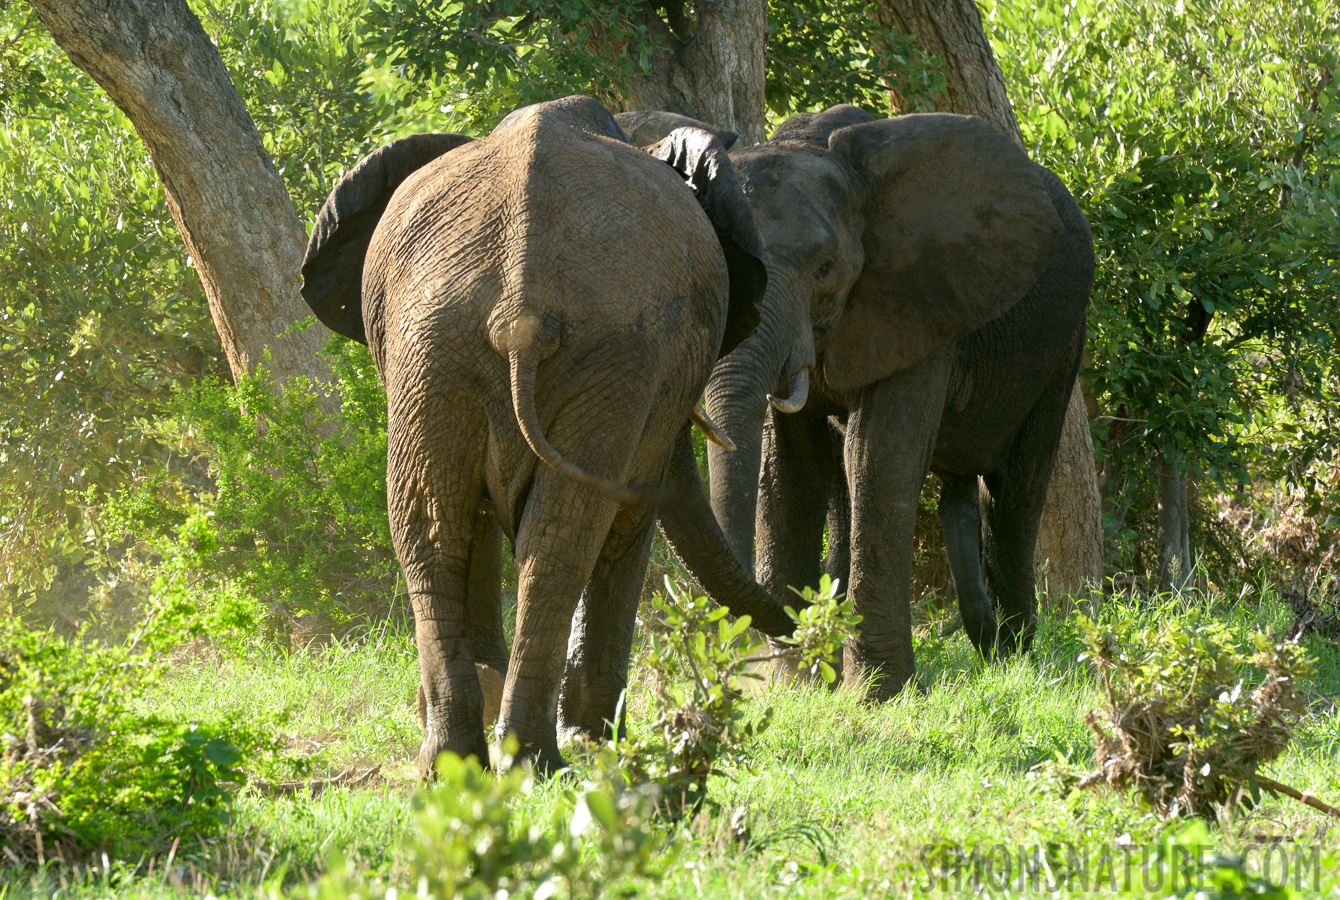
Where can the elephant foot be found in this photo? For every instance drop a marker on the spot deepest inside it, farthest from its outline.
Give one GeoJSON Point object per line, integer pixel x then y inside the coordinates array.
{"type": "Point", "coordinates": [587, 731]}
{"type": "Point", "coordinates": [884, 678]}
{"type": "Point", "coordinates": [588, 709]}
{"type": "Point", "coordinates": [544, 757]}
{"type": "Point", "coordinates": [439, 740]}
{"type": "Point", "coordinates": [462, 732]}
{"type": "Point", "coordinates": [982, 630]}
{"type": "Point", "coordinates": [1015, 638]}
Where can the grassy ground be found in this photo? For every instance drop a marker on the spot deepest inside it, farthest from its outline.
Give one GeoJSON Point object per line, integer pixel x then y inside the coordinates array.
{"type": "Point", "coordinates": [844, 798]}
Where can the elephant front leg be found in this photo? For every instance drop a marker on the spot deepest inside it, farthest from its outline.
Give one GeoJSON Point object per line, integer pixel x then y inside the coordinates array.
{"type": "Point", "coordinates": [602, 632]}
{"type": "Point", "coordinates": [794, 488]}
{"type": "Point", "coordinates": [890, 435]}
{"type": "Point", "coordinates": [798, 471]}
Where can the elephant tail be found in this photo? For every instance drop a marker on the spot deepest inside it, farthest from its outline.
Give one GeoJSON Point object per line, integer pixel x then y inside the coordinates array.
{"type": "Point", "coordinates": [523, 357]}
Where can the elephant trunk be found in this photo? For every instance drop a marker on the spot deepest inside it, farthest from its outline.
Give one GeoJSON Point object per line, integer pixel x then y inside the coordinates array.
{"type": "Point", "coordinates": [780, 350]}
{"type": "Point", "coordinates": [737, 401]}
{"type": "Point", "coordinates": [692, 532]}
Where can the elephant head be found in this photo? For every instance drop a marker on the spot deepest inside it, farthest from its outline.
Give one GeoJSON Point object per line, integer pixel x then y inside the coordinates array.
{"type": "Point", "coordinates": [645, 127]}
{"type": "Point", "coordinates": [884, 240]}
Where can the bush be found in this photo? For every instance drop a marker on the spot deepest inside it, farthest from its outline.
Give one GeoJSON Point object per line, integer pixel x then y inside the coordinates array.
{"type": "Point", "coordinates": [1184, 727]}
{"type": "Point", "coordinates": [82, 770]}
{"type": "Point", "coordinates": [703, 728]}
{"type": "Point", "coordinates": [295, 500]}
{"type": "Point", "coordinates": [470, 842]}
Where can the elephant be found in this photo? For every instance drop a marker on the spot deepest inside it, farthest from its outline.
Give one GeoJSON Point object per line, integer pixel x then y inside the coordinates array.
{"type": "Point", "coordinates": [543, 307]}
{"type": "Point", "coordinates": [926, 306]}
{"type": "Point", "coordinates": [645, 127]}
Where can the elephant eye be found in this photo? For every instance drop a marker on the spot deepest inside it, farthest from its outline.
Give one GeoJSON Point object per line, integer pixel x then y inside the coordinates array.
{"type": "Point", "coordinates": [825, 269]}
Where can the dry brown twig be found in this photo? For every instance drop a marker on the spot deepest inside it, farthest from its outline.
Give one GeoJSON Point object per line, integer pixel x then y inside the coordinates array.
{"type": "Point", "coordinates": [1182, 727]}
{"type": "Point", "coordinates": [346, 778]}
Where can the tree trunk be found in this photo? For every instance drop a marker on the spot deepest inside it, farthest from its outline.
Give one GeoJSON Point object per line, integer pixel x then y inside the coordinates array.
{"type": "Point", "coordinates": [1174, 528]}
{"type": "Point", "coordinates": [160, 68]}
{"type": "Point", "coordinates": [1070, 542]}
{"type": "Point", "coordinates": [715, 69]}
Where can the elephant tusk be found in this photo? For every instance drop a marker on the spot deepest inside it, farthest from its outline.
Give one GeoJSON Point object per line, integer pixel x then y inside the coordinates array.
{"type": "Point", "coordinates": [800, 392]}
{"type": "Point", "coordinates": [710, 429]}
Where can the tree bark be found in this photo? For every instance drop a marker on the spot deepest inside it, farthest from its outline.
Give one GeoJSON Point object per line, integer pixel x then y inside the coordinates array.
{"type": "Point", "coordinates": [155, 61]}
{"type": "Point", "coordinates": [1070, 542]}
{"type": "Point", "coordinates": [1174, 528]}
{"type": "Point", "coordinates": [715, 69]}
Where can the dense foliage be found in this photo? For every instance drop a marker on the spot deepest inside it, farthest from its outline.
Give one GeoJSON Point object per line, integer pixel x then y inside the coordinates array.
{"type": "Point", "coordinates": [479, 61]}
{"type": "Point", "coordinates": [84, 769]}
{"type": "Point", "coordinates": [1203, 140]}
{"type": "Point", "coordinates": [100, 315]}
{"type": "Point", "coordinates": [102, 320]}
{"type": "Point", "coordinates": [296, 501]}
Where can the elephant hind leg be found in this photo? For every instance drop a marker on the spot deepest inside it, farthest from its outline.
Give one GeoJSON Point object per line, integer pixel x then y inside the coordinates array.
{"type": "Point", "coordinates": [1014, 511]}
{"type": "Point", "coordinates": [484, 608]}
{"type": "Point", "coordinates": [961, 521]}
{"type": "Point", "coordinates": [602, 632]}
{"type": "Point", "coordinates": [432, 505]}
{"type": "Point", "coordinates": [1016, 494]}
{"type": "Point", "coordinates": [561, 533]}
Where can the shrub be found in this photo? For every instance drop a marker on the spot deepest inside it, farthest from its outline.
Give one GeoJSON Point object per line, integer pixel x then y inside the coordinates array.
{"type": "Point", "coordinates": [703, 728]}
{"type": "Point", "coordinates": [470, 841]}
{"type": "Point", "coordinates": [295, 500]}
{"type": "Point", "coordinates": [1183, 726]}
{"type": "Point", "coordinates": [83, 770]}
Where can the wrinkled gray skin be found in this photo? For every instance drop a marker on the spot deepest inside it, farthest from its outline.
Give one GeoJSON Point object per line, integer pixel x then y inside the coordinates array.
{"type": "Point", "coordinates": [645, 127]}
{"type": "Point", "coordinates": [544, 307]}
{"type": "Point", "coordinates": [928, 284]}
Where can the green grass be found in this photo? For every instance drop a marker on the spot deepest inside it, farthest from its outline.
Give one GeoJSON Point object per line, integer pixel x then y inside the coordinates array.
{"type": "Point", "coordinates": [843, 798]}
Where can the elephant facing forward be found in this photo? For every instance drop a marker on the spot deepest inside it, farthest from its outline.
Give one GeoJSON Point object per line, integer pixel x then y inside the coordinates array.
{"type": "Point", "coordinates": [544, 307]}
{"type": "Point", "coordinates": [925, 310]}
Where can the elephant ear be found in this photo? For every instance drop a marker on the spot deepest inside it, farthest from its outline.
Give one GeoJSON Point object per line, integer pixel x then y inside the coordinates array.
{"type": "Point", "coordinates": [958, 227]}
{"type": "Point", "coordinates": [645, 127]}
{"type": "Point", "coordinates": [332, 269]}
{"type": "Point", "coordinates": [700, 159]}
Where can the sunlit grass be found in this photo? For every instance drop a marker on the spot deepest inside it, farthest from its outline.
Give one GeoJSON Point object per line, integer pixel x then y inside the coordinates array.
{"type": "Point", "coordinates": [843, 797]}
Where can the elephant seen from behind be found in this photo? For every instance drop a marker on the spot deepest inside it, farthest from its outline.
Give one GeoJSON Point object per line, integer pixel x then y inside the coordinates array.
{"type": "Point", "coordinates": [544, 307]}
